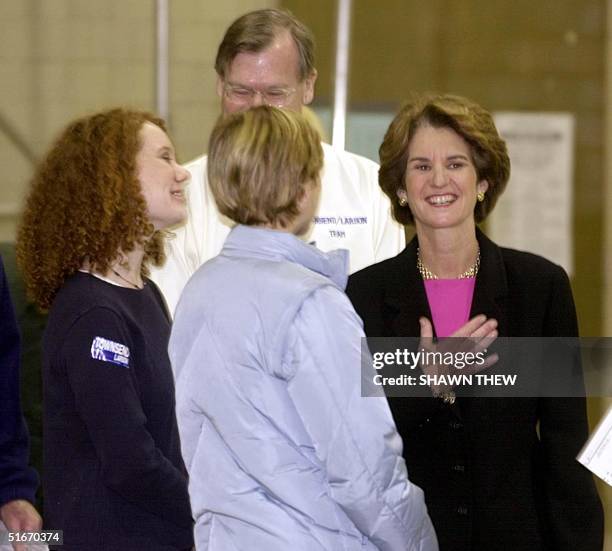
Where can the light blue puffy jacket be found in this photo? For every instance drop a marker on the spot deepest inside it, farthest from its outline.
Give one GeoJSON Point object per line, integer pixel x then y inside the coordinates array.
{"type": "Point", "coordinates": [283, 453]}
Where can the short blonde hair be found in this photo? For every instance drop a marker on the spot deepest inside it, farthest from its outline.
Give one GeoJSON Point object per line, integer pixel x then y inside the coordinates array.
{"type": "Point", "coordinates": [259, 162]}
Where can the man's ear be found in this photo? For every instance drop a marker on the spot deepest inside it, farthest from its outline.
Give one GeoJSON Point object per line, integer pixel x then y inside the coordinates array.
{"type": "Point", "coordinates": [309, 86]}
{"type": "Point", "coordinates": [220, 85]}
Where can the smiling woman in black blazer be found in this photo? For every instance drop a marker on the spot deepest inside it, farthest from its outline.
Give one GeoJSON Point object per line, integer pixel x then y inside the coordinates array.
{"type": "Point", "coordinates": [498, 473]}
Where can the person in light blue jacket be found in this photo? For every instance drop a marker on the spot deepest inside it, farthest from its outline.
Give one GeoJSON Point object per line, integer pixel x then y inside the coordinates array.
{"type": "Point", "coordinates": [283, 453]}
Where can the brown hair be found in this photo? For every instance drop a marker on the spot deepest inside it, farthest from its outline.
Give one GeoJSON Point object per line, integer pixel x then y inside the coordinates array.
{"type": "Point", "coordinates": [468, 119]}
{"type": "Point", "coordinates": [256, 30]}
{"type": "Point", "coordinates": [259, 162]}
{"type": "Point", "coordinates": [85, 203]}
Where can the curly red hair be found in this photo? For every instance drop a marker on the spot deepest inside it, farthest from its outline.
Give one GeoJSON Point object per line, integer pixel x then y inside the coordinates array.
{"type": "Point", "coordinates": [86, 203]}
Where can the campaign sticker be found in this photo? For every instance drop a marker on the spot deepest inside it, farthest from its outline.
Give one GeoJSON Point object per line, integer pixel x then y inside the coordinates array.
{"type": "Point", "coordinates": [110, 351]}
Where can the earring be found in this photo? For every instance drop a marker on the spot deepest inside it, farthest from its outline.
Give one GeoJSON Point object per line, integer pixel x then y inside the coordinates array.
{"type": "Point", "coordinates": [480, 196]}
{"type": "Point", "coordinates": [403, 202]}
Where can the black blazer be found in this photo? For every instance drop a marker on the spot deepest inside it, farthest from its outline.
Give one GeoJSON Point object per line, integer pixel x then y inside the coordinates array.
{"type": "Point", "coordinates": [498, 473]}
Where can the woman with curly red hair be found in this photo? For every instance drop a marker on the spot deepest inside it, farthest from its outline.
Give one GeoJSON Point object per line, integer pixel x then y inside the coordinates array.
{"type": "Point", "coordinates": [114, 477]}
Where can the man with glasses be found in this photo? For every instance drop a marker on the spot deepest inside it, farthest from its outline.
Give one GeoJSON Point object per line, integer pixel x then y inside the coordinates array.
{"type": "Point", "coordinates": [267, 57]}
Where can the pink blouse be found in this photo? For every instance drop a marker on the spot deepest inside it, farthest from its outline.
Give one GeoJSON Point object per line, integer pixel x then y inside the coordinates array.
{"type": "Point", "coordinates": [450, 302]}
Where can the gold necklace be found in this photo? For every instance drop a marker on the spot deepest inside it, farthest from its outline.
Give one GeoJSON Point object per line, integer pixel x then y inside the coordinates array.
{"type": "Point", "coordinates": [125, 279]}
{"type": "Point", "coordinates": [426, 273]}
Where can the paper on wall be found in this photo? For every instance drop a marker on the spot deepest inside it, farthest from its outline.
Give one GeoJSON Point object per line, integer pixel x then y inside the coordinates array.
{"type": "Point", "coordinates": [535, 211]}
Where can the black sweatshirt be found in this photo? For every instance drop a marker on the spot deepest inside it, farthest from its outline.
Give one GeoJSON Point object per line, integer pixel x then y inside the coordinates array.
{"type": "Point", "coordinates": [113, 473]}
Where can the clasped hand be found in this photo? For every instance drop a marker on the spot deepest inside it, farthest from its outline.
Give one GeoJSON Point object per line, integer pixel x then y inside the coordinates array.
{"type": "Point", "coordinates": [472, 338]}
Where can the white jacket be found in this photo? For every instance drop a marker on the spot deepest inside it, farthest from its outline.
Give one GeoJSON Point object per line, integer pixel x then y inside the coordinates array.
{"type": "Point", "coordinates": [353, 214]}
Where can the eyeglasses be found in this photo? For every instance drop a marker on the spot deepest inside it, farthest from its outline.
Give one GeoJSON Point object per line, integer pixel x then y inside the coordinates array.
{"type": "Point", "coordinates": [274, 97]}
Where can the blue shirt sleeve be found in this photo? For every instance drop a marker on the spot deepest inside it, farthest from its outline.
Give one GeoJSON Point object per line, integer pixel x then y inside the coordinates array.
{"type": "Point", "coordinates": [17, 480]}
